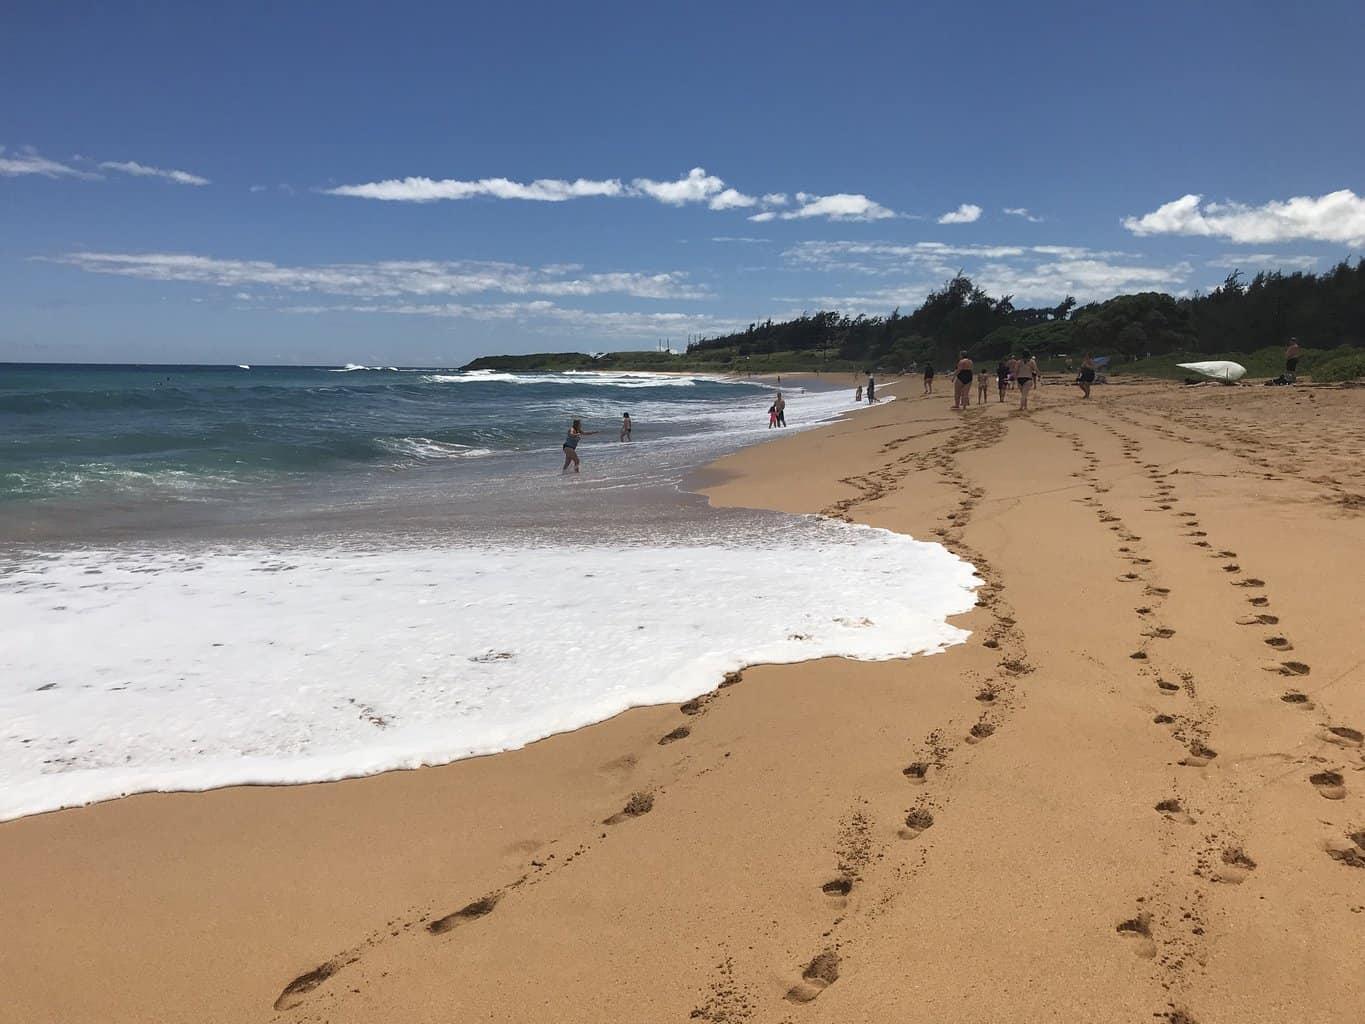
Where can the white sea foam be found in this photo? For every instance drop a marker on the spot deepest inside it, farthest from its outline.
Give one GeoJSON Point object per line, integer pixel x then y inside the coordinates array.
{"type": "Point", "coordinates": [129, 671]}
{"type": "Point", "coordinates": [579, 378]}
{"type": "Point", "coordinates": [425, 449]}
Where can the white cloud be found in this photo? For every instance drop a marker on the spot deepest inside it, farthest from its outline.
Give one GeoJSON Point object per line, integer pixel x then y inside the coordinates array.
{"type": "Point", "coordinates": [775, 199]}
{"type": "Point", "coordinates": [143, 171]}
{"type": "Point", "coordinates": [839, 206]}
{"type": "Point", "coordinates": [257, 188]}
{"type": "Point", "coordinates": [1019, 211]}
{"type": "Point", "coordinates": [28, 161]}
{"type": "Point", "coordinates": [764, 217]}
{"type": "Point", "coordinates": [427, 190]}
{"type": "Point", "coordinates": [385, 279]}
{"type": "Point", "coordinates": [731, 199]}
{"type": "Point", "coordinates": [543, 315]}
{"type": "Point", "coordinates": [1262, 261]}
{"type": "Point", "coordinates": [1334, 217]}
{"type": "Point", "coordinates": [967, 213]}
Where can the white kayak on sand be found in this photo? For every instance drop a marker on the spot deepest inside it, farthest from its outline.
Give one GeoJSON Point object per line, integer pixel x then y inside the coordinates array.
{"type": "Point", "coordinates": [1217, 369]}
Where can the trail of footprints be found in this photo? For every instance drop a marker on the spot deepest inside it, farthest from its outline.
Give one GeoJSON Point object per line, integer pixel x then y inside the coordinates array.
{"type": "Point", "coordinates": [1222, 860]}
{"type": "Point", "coordinates": [425, 921]}
{"type": "Point", "coordinates": [997, 695]}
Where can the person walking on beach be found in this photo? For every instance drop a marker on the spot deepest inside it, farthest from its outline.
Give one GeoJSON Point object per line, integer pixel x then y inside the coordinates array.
{"type": "Point", "coordinates": [780, 407]}
{"type": "Point", "coordinates": [928, 378]}
{"type": "Point", "coordinates": [871, 390]}
{"type": "Point", "coordinates": [625, 426]}
{"type": "Point", "coordinates": [962, 383]}
{"type": "Point", "coordinates": [1026, 373]}
{"type": "Point", "coordinates": [1002, 376]}
{"type": "Point", "coordinates": [571, 440]}
{"type": "Point", "coordinates": [1086, 376]}
{"type": "Point", "coordinates": [982, 384]}
{"type": "Point", "coordinates": [1291, 357]}
{"type": "Point", "coordinates": [858, 395]}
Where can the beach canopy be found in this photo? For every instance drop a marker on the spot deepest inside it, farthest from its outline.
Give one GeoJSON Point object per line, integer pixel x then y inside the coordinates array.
{"type": "Point", "coordinates": [1217, 369]}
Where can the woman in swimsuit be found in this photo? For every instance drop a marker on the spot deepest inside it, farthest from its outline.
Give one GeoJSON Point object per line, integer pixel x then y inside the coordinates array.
{"type": "Point", "coordinates": [576, 431]}
{"type": "Point", "coordinates": [1087, 376]}
{"type": "Point", "coordinates": [1026, 373]}
{"type": "Point", "coordinates": [962, 387]}
{"type": "Point", "coordinates": [983, 381]}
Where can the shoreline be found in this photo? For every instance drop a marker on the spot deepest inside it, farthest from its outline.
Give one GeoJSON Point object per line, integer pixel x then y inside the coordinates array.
{"type": "Point", "coordinates": [833, 819]}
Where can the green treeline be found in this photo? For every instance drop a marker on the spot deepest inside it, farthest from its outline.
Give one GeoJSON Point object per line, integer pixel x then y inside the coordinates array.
{"type": "Point", "coordinates": [1321, 310]}
{"type": "Point", "coordinates": [1324, 311]}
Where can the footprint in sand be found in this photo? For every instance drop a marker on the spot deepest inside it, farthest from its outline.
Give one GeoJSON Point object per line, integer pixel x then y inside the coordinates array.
{"type": "Point", "coordinates": [1232, 568]}
{"type": "Point", "coordinates": [1162, 633]}
{"type": "Point", "coordinates": [469, 912]}
{"type": "Point", "coordinates": [916, 822]}
{"type": "Point", "coordinates": [1236, 867]}
{"type": "Point", "coordinates": [1350, 850]}
{"type": "Point", "coordinates": [1288, 668]}
{"type": "Point", "coordinates": [298, 988]}
{"type": "Point", "coordinates": [1343, 735]}
{"type": "Point", "coordinates": [1138, 931]}
{"type": "Point", "coordinates": [980, 731]}
{"type": "Point", "coordinates": [1280, 643]}
{"type": "Point", "coordinates": [1250, 581]}
{"type": "Point", "coordinates": [818, 975]}
{"type": "Point", "coordinates": [917, 772]}
{"type": "Point", "coordinates": [1168, 688]}
{"type": "Point", "coordinates": [680, 733]}
{"type": "Point", "coordinates": [638, 804]}
{"type": "Point", "coordinates": [1158, 591]}
{"type": "Point", "coordinates": [1330, 785]}
{"type": "Point", "coordinates": [1199, 755]}
{"type": "Point", "coordinates": [1297, 699]}
{"type": "Point", "coordinates": [1258, 620]}
{"type": "Point", "coordinates": [837, 890]}
{"type": "Point", "coordinates": [1258, 602]}
{"type": "Point", "coordinates": [1172, 810]}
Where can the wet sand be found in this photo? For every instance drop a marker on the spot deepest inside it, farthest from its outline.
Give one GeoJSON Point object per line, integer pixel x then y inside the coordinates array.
{"type": "Point", "coordinates": [1130, 797]}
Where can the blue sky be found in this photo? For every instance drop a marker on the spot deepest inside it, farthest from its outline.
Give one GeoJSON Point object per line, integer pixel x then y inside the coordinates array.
{"type": "Point", "coordinates": [419, 184]}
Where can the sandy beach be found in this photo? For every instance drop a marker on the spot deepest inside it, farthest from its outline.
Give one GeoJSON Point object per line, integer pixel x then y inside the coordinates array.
{"type": "Point", "coordinates": [1137, 793]}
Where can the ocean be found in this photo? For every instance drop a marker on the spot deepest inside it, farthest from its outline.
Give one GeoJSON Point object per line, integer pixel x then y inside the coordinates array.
{"type": "Point", "coordinates": [221, 575]}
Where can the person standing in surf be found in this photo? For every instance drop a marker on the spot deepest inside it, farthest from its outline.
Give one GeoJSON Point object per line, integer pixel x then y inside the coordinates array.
{"type": "Point", "coordinates": [571, 440]}
{"type": "Point", "coordinates": [871, 390]}
{"type": "Point", "coordinates": [780, 407]}
{"type": "Point", "coordinates": [625, 426]}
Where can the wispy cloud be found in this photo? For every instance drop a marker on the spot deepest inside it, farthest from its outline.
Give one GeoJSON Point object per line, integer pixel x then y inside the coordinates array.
{"type": "Point", "coordinates": [1019, 211]}
{"type": "Point", "coordinates": [1262, 261]}
{"type": "Point", "coordinates": [28, 161]}
{"type": "Point", "coordinates": [1334, 217]}
{"type": "Point", "coordinates": [1030, 273]}
{"type": "Point", "coordinates": [386, 279]}
{"type": "Point", "coordinates": [696, 187]}
{"type": "Point", "coordinates": [427, 190]}
{"type": "Point", "coordinates": [967, 213]}
{"type": "Point", "coordinates": [138, 170]}
{"type": "Point", "coordinates": [841, 206]}
{"type": "Point", "coordinates": [546, 315]}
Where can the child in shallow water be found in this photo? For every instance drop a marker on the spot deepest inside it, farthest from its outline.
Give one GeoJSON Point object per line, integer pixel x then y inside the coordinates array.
{"type": "Point", "coordinates": [772, 416]}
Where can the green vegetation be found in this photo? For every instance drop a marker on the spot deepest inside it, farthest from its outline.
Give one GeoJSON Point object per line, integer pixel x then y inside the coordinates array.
{"type": "Point", "coordinates": [1341, 367]}
{"type": "Point", "coordinates": [1147, 332]}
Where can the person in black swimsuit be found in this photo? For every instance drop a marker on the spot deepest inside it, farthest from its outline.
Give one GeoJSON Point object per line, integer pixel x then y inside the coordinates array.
{"type": "Point", "coordinates": [928, 378]}
{"type": "Point", "coordinates": [571, 439]}
{"type": "Point", "coordinates": [1087, 375]}
{"type": "Point", "coordinates": [962, 388]}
